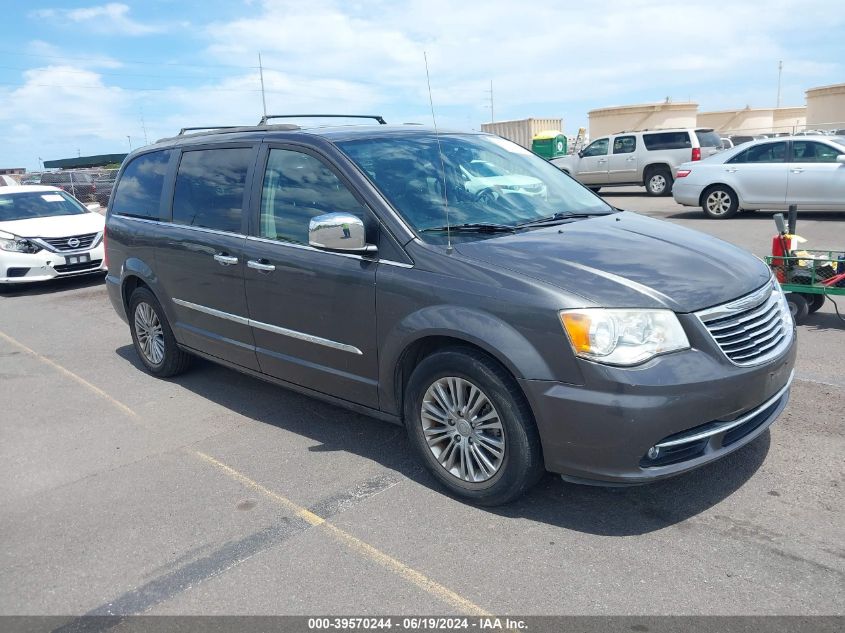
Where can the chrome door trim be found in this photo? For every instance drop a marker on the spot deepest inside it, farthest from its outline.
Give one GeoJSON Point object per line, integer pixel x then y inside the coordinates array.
{"type": "Point", "coordinates": [275, 329]}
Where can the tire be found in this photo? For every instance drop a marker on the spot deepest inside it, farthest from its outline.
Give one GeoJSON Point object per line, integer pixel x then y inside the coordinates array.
{"type": "Point", "coordinates": [487, 466]}
{"type": "Point", "coordinates": [719, 202]}
{"type": "Point", "coordinates": [594, 189]}
{"type": "Point", "coordinates": [814, 302]}
{"type": "Point", "coordinates": [798, 306]}
{"type": "Point", "coordinates": [162, 356]}
{"type": "Point", "coordinates": [658, 181]}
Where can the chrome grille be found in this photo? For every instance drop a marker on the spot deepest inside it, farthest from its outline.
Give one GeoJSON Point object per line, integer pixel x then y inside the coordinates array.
{"type": "Point", "coordinates": [752, 329]}
{"type": "Point", "coordinates": [69, 243]}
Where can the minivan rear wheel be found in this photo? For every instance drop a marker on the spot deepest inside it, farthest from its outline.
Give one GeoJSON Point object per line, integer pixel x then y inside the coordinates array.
{"type": "Point", "coordinates": [719, 202]}
{"type": "Point", "coordinates": [154, 341]}
{"type": "Point", "coordinates": [469, 423]}
{"type": "Point", "coordinates": [658, 181]}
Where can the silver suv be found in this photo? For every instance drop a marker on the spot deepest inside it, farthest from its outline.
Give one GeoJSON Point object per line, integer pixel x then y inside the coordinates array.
{"type": "Point", "coordinates": [648, 158]}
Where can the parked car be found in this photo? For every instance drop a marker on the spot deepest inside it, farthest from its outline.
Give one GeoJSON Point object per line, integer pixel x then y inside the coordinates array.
{"type": "Point", "coordinates": [509, 334]}
{"type": "Point", "coordinates": [79, 184]}
{"type": "Point", "coordinates": [104, 182]}
{"type": "Point", "coordinates": [482, 178]}
{"type": "Point", "coordinates": [647, 158]}
{"type": "Point", "coordinates": [767, 174]}
{"type": "Point", "coordinates": [46, 233]}
{"type": "Point", "coordinates": [726, 143]}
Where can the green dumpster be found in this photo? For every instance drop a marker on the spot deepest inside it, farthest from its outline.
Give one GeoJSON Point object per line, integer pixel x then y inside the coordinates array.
{"type": "Point", "coordinates": [549, 144]}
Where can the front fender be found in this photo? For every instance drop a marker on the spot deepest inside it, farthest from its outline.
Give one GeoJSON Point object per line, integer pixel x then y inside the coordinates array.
{"type": "Point", "coordinates": [475, 327]}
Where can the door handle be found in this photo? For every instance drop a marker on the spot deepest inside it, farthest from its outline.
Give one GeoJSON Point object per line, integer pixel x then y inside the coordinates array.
{"type": "Point", "coordinates": [602, 160]}
{"type": "Point", "coordinates": [258, 264]}
{"type": "Point", "coordinates": [631, 159]}
{"type": "Point", "coordinates": [732, 170]}
{"type": "Point", "coordinates": [797, 170]}
{"type": "Point", "coordinates": [225, 260]}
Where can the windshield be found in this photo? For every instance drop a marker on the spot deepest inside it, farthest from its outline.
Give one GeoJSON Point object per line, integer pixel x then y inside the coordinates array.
{"type": "Point", "coordinates": [38, 204]}
{"type": "Point", "coordinates": [411, 173]}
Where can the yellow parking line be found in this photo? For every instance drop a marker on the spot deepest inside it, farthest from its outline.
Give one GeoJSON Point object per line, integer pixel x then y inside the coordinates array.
{"type": "Point", "coordinates": [365, 549]}
{"type": "Point", "coordinates": [69, 374]}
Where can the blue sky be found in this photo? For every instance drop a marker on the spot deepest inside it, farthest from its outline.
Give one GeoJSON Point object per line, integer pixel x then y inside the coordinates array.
{"type": "Point", "coordinates": [87, 77]}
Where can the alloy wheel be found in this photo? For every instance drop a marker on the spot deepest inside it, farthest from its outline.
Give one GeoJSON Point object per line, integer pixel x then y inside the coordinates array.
{"type": "Point", "coordinates": [150, 333]}
{"type": "Point", "coordinates": [718, 202]}
{"type": "Point", "coordinates": [463, 429]}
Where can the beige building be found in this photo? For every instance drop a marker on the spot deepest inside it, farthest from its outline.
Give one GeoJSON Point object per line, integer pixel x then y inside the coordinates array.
{"type": "Point", "coordinates": [750, 120]}
{"type": "Point", "coordinates": [826, 107]}
{"type": "Point", "coordinates": [640, 117]}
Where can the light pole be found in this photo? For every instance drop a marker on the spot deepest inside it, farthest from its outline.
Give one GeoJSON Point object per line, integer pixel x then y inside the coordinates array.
{"type": "Point", "coordinates": [129, 139]}
{"type": "Point", "coordinates": [780, 72]}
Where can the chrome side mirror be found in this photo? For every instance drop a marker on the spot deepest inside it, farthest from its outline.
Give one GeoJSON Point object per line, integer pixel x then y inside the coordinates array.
{"type": "Point", "coordinates": [840, 158]}
{"type": "Point", "coordinates": [342, 232]}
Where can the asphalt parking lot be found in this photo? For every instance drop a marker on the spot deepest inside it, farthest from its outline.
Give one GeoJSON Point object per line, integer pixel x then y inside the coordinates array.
{"type": "Point", "coordinates": [215, 493]}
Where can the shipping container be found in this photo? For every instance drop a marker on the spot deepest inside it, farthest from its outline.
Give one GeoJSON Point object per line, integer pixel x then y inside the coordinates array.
{"type": "Point", "coordinates": [523, 131]}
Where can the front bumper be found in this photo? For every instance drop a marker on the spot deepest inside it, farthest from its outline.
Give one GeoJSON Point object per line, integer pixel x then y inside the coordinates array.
{"type": "Point", "coordinates": [687, 194]}
{"type": "Point", "coordinates": [23, 268]}
{"type": "Point", "coordinates": [602, 432]}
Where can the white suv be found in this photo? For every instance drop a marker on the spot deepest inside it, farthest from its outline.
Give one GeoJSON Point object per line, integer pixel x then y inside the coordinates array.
{"type": "Point", "coordinates": [648, 158]}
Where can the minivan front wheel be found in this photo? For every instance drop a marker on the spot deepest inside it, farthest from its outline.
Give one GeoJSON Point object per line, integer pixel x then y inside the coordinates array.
{"type": "Point", "coordinates": [720, 202]}
{"type": "Point", "coordinates": [468, 421]}
{"type": "Point", "coordinates": [154, 341]}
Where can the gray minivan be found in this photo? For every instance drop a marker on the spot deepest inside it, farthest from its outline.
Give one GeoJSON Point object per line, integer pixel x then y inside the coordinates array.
{"type": "Point", "coordinates": [522, 327]}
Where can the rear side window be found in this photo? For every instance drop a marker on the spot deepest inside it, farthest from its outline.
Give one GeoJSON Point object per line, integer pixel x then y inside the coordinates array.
{"type": "Point", "coordinates": [624, 144]}
{"type": "Point", "coordinates": [210, 187]}
{"type": "Point", "coordinates": [667, 140]}
{"type": "Point", "coordinates": [763, 153]}
{"type": "Point", "coordinates": [708, 138]}
{"type": "Point", "coordinates": [139, 189]}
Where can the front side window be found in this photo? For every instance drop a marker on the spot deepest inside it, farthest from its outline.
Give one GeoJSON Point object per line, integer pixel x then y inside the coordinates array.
{"type": "Point", "coordinates": [139, 190]}
{"type": "Point", "coordinates": [624, 144]}
{"type": "Point", "coordinates": [763, 153]}
{"type": "Point", "coordinates": [210, 187]}
{"type": "Point", "coordinates": [596, 148]}
{"type": "Point", "coordinates": [813, 152]}
{"type": "Point", "coordinates": [477, 179]}
{"type": "Point", "coordinates": [298, 187]}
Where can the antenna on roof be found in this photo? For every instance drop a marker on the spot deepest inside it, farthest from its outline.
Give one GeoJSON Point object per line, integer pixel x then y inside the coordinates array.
{"type": "Point", "coordinates": [442, 164]}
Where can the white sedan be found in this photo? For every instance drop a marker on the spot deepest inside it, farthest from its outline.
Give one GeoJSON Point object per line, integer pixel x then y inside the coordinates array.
{"type": "Point", "coordinates": [46, 233]}
{"type": "Point", "coordinates": [484, 179]}
{"type": "Point", "coordinates": [766, 174]}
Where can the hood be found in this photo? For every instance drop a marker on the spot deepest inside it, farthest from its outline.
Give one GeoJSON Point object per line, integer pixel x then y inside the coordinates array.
{"type": "Point", "coordinates": [625, 260]}
{"type": "Point", "coordinates": [56, 226]}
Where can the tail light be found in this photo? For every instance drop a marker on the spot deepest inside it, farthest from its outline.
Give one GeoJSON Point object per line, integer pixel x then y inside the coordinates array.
{"type": "Point", "coordinates": [696, 153]}
{"type": "Point", "coordinates": [683, 173]}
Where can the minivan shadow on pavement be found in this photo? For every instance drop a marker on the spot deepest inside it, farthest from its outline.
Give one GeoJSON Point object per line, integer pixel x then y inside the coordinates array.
{"type": "Point", "coordinates": [589, 509]}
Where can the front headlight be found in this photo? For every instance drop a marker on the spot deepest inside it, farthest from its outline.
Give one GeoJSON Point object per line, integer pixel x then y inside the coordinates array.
{"type": "Point", "coordinates": [14, 244]}
{"type": "Point", "coordinates": [623, 337]}
{"type": "Point", "coordinates": [785, 313]}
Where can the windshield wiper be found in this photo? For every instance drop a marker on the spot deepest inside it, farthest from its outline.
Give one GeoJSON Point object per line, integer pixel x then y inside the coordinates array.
{"type": "Point", "coordinates": [472, 227]}
{"type": "Point", "coordinates": [560, 216]}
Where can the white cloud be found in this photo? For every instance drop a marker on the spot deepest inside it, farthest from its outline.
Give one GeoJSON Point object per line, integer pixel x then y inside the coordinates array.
{"type": "Point", "coordinates": [112, 18]}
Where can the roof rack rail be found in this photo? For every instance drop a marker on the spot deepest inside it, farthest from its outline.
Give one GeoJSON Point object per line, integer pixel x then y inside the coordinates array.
{"type": "Point", "coordinates": [376, 117]}
{"type": "Point", "coordinates": [205, 127]}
